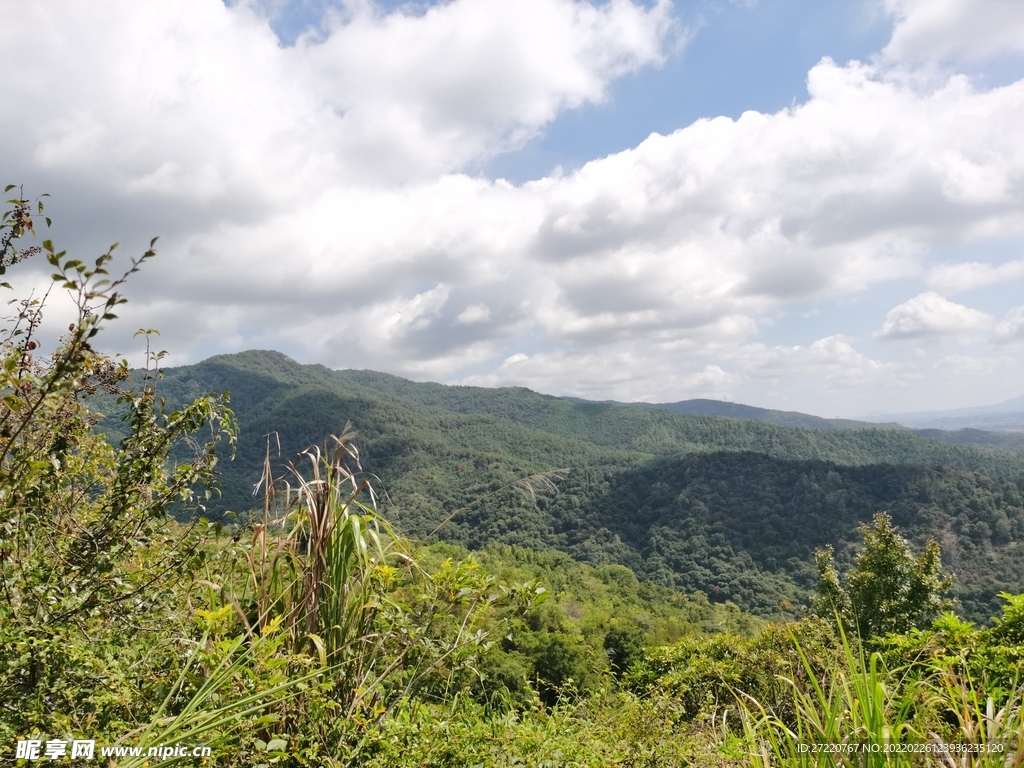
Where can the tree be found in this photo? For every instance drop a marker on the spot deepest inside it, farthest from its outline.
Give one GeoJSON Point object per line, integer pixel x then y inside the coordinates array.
{"type": "Point", "coordinates": [88, 551]}
{"type": "Point", "coordinates": [889, 589]}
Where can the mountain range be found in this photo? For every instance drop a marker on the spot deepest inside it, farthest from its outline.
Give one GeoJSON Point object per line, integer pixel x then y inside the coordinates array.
{"type": "Point", "coordinates": [703, 407]}
{"type": "Point", "coordinates": [1007, 416]}
{"type": "Point", "coordinates": [729, 505]}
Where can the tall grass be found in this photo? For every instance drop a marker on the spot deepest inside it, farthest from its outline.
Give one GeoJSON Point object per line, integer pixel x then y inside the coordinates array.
{"type": "Point", "coordinates": [322, 582]}
{"type": "Point", "coordinates": [856, 714]}
{"type": "Point", "coordinates": [996, 732]}
{"type": "Point", "coordinates": [322, 564]}
{"type": "Point", "coordinates": [347, 590]}
{"type": "Point", "coordinates": [864, 715]}
{"type": "Point", "coordinates": [212, 716]}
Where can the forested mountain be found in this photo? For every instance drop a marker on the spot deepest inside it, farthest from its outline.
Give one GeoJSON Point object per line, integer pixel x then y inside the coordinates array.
{"type": "Point", "coordinates": [1010, 441]}
{"type": "Point", "coordinates": [704, 407]}
{"type": "Point", "coordinates": [626, 425]}
{"type": "Point", "coordinates": [730, 507]}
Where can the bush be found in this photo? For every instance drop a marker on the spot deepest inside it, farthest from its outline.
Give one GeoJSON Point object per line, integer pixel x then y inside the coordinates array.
{"type": "Point", "coordinates": [625, 647]}
{"type": "Point", "coordinates": [712, 672]}
{"type": "Point", "coordinates": [89, 557]}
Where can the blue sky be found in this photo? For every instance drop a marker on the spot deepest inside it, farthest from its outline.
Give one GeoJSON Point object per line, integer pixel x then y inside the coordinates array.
{"type": "Point", "coordinates": [815, 206]}
{"type": "Point", "coordinates": [741, 57]}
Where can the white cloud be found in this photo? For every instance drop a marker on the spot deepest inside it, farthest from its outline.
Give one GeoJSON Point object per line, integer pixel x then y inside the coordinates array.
{"type": "Point", "coordinates": [932, 315]}
{"type": "Point", "coordinates": [620, 375]}
{"type": "Point", "coordinates": [934, 29]}
{"type": "Point", "coordinates": [710, 381]}
{"type": "Point", "coordinates": [680, 244]}
{"type": "Point", "coordinates": [832, 360]}
{"type": "Point", "coordinates": [475, 313]}
{"type": "Point", "coordinates": [963, 276]}
{"type": "Point", "coordinates": [628, 374]}
{"type": "Point", "coordinates": [468, 79]}
{"type": "Point", "coordinates": [1011, 328]}
{"type": "Point", "coordinates": [974, 366]}
{"type": "Point", "coordinates": [324, 198]}
{"type": "Point", "coordinates": [198, 100]}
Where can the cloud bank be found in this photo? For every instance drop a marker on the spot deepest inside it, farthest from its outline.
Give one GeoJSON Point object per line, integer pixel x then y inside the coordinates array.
{"type": "Point", "coordinates": [965, 276]}
{"type": "Point", "coordinates": [326, 198]}
{"type": "Point", "coordinates": [936, 29]}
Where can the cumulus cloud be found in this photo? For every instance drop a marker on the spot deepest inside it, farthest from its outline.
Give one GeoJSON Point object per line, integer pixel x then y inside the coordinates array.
{"type": "Point", "coordinates": [469, 79]}
{"type": "Point", "coordinates": [622, 374]}
{"type": "Point", "coordinates": [1011, 328]}
{"type": "Point", "coordinates": [963, 276]}
{"type": "Point", "coordinates": [683, 241]}
{"type": "Point", "coordinates": [198, 100]}
{"type": "Point", "coordinates": [832, 360]}
{"type": "Point", "coordinates": [324, 198]}
{"type": "Point", "coordinates": [933, 29]}
{"type": "Point", "coordinates": [931, 315]}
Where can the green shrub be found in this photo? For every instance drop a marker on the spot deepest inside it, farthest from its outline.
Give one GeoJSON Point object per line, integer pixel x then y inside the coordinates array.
{"type": "Point", "coordinates": [711, 672]}
{"type": "Point", "coordinates": [624, 645]}
{"type": "Point", "coordinates": [94, 570]}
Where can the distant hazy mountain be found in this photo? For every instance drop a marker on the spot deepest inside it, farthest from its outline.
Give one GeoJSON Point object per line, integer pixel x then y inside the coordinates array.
{"type": "Point", "coordinates": [1007, 416]}
{"type": "Point", "coordinates": [702, 407]}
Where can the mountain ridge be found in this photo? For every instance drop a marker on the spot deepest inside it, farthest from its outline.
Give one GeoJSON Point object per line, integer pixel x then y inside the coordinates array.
{"type": "Point", "coordinates": [707, 407]}
{"type": "Point", "coordinates": [1005, 416]}
{"type": "Point", "coordinates": [673, 496]}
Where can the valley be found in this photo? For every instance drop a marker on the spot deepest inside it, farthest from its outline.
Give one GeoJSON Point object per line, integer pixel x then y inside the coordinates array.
{"type": "Point", "coordinates": [730, 507]}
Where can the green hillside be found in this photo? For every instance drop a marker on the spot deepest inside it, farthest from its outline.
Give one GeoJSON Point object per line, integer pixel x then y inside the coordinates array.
{"type": "Point", "coordinates": [705, 407]}
{"type": "Point", "coordinates": [730, 507]}
{"type": "Point", "coordinates": [1009, 441]}
{"type": "Point", "coordinates": [665, 433]}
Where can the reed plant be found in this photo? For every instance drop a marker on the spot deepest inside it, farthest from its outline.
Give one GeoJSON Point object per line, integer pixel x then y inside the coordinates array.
{"type": "Point", "coordinates": [864, 715]}
{"type": "Point", "coordinates": [321, 558]}
{"type": "Point", "coordinates": [860, 716]}
{"type": "Point", "coordinates": [978, 733]}
{"type": "Point", "coordinates": [346, 592]}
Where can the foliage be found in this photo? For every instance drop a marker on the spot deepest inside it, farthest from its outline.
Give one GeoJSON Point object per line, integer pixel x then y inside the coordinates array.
{"type": "Point", "coordinates": [701, 516]}
{"type": "Point", "coordinates": [861, 712]}
{"type": "Point", "coordinates": [348, 595]}
{"type": "Point", "coordinates": [1009, 628]}
{"type": "Point", "coordinates": [706, 673]}
{"type": "Point", "coordinates": [624, 645]}
{"type": "Point", "coordinates": [88, 553]}
{"type": "Point", "coordinates": [604, 730]}
{"type": "Point", "coordinates": [241, 683]}
{"type": "Point", "coordinates": [990, 659]}
{"type": "Point", "coordinates": [889, 590]}
{"type": "Point", "coordinates": [853, 706]}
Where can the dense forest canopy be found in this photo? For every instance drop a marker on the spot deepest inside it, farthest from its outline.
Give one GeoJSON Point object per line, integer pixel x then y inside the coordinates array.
{"type": "Point", "coordinates": [730, 507]}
